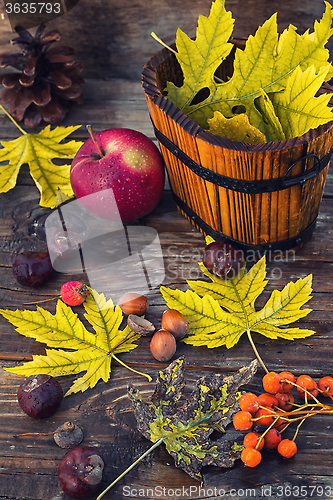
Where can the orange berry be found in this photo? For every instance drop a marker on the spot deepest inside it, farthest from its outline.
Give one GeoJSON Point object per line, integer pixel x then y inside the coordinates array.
{"type": "Point", "coordinates": [306, 382]}
{"type": "Point", "coordinates": [242, 420]}
{"type": "Point", "coordinates": [285, 377]}
{"type": "Point", "coordinates": [251, 457]}
{"type": "Point", "coordinates": [251, 440]}
{"type": "Point", "coordinates": [325, 385]}
{"type": "Point", "coordinates": [272, 383]}
{"type": "Point", "coordinates": [264, 416]}
{"type": "Point", "coordinates": [287, 448]}
{"type": "Point", "coordinates": [267, 400]}
{"type": "Point", "coordinates": [285, 400]}
{"type": "Point", "coordinates": [249, 402]}
{"type": "Point", "coordinates": [272, 439]}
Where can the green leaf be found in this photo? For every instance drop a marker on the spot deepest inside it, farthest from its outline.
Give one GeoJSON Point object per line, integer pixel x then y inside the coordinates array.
{"type": "Point", "coordinates": [268, 65]}
{"type": "Point", "coordinates": [39, 151]}
{"type": "Point", "coordinates": [185, 428]}
{"type": "Point", "coordinates": [220, 311]}
{"type": "Point", "coordinates": [76, 349]}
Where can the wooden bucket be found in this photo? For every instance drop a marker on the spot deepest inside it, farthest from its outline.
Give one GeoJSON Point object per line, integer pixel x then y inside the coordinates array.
{"type": "Point", "coordinates": [259, 197]}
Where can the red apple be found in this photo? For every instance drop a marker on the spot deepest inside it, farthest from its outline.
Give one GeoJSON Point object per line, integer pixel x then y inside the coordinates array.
{"type": "Point", "coordinates": [123, 170]}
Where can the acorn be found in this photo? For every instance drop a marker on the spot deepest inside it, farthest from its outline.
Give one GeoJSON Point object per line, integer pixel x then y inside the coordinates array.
{"type": "Point", "coordinates": [175, 323]}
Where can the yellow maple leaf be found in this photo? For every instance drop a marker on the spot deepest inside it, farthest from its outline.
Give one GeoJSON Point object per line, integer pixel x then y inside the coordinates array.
{"type": "Point", "coordinates": [221, 311]}
{"type": "Point", "coordinates": [76, 349]}
{"type": "Point", "coordinates": [264, 67]}
{"type": "Point", "coordinates": [39, 151]}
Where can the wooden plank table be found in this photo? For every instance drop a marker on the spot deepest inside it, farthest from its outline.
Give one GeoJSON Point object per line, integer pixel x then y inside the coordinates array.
{"type": "Point", "coordinates": [28, 465]}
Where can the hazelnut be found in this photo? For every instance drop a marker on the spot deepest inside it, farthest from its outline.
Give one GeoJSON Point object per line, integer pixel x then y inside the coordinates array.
{"type": "Point", "coordinates": [140, 325]}
{"type": "Point", "coordinates": [133, 303]}
{"type": "Point", "coordinates": [175, 323]}
{"type": "Point", "coordinates": [163, 345]}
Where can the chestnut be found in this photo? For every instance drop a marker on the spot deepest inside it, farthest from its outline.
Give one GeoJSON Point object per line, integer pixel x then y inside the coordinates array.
{"type": "Point", "coordinates": [175, 323]}
{"type": "Point", "coordinates": [133, 303]}
{"type": "Point", "coordinates": [40, 396]}
{"type": "Point", "coordinates": [163, 345]}
{"type": "Point", "coordinates": [223, 259]}
{"type": "Point", "coordinates": [80, 472]}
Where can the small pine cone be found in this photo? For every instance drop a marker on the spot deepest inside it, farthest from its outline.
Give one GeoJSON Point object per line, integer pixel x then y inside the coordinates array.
{"type": "Point", "coordinates": [46, 82]}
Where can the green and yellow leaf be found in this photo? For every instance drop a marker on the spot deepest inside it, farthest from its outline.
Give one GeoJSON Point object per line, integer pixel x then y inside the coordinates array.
{"type": "Point", "coordinates": [39, 151]}
{"type": "Point", "coordinates": [219, 312]}
{"type": "Point", "coordinates": [185, 429]}
{"type": "Point", "coordinates": [75, 349]}
{"type": "Point", "coordinates": [201, 57]}
{"type": "Point", "coordinates": [297, 107]}
{"type": "Point", "coordinates": [237, 128]}
{"type": "Point", "coordinates": [267, 66]}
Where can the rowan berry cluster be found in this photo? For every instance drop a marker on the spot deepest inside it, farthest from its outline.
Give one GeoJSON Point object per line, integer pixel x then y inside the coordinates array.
{"type": "Point", "coordinates": [272, 412]}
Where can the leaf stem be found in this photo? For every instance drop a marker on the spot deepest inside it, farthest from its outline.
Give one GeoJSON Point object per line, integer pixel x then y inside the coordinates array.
{"type": "Point", "coordinates": [162, 43]}
{"type": "Point", "coordinates": [121, 342]}
{"type": "Point", "coordinates": [155, 445]}
{"type": "Point", "coordinates": [12, 119]}
{"type": "Point", "coordinates": [132, 369]}
{"type": "Point", "coordinates": [256, 352]}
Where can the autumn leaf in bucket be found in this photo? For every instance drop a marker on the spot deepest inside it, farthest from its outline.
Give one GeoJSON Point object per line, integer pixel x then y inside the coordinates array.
{"type": "Point", "coordinates": [219, 312]}
{"type": "Point", "coordinates": [287, 68]}
{"type": "Point", "coordinates": [185, 425]}
{"type": "Point", "coordinates": [39, 150]}
{"type": "Point", "coordinates": [75, 349]}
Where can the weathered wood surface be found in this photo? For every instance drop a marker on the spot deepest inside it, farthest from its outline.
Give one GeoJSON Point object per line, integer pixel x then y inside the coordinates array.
{"type": "Point", "coordinates": [28, 466]}
{"type": "Point", "coordinates": [113, 97]}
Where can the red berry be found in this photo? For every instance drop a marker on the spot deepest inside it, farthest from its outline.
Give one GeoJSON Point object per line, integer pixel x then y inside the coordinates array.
{"type": "Point", "coordinates": [285, 400]}
{"type": "Point", "coordinates": [74, 293]}
{"type": "Point", "coordinates": [249, 402]}
{"type": "Point", "coordinates": [272, 382]}
{"type": "Point", "coordinates": [272, 439]}
{"type": "Point", "coordinates": [265, 416]}
{"type": "Point", "coordinates": [251, 457]}
{"type": "Point", "coordinates": [285, 376]}
{"type": "Point", "coordinates": [251, 440]}
{"type": "Point", "coordinates": [287, 448]}
{"type": "Point", "coordinates": [306, 382]}
{"type": "Point", "coordinates": [325, 384]}
{"type": "Point", "coordinates": [267, 400]}
{"type": "Point", "coordinates": [242, 420]}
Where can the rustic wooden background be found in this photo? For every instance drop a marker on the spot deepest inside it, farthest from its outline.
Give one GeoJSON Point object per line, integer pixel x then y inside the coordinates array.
{"type": "Point", "coordinates": [113, 38]}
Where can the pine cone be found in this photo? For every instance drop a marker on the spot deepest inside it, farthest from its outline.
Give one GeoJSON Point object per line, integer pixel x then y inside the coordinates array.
{"type": "Point", "coordinates": [47, 80]}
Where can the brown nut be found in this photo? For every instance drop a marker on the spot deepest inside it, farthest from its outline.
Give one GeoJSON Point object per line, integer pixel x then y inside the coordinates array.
{"type": "Point", "coordinates": [175, 323]}
{"type": "Point", "coordinates": [163, 345]}
{"type": "Point", "coordinates": [133, 303]}
{"type": "Point", "coordinates": [140, 325]}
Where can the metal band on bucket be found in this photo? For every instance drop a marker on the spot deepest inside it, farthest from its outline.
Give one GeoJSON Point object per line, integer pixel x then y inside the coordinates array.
{"type": "Point", "coordinates": [243, 186]}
